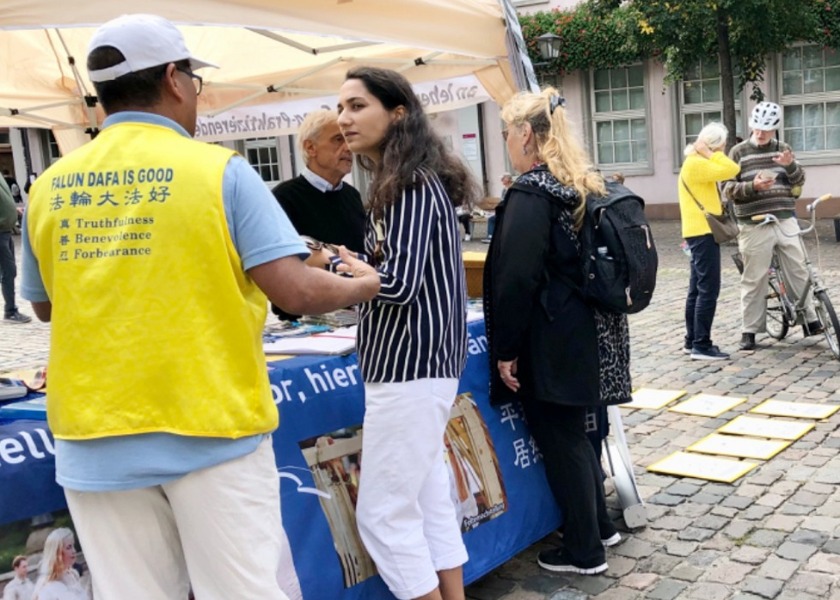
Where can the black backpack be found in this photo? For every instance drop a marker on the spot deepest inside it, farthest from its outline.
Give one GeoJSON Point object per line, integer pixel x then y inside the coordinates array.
{"type": "Point", "coordinates": [618, 253]}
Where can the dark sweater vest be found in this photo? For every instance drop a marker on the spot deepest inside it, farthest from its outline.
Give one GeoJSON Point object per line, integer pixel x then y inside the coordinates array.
{"type": "Point", "coordinates": [336, 217]}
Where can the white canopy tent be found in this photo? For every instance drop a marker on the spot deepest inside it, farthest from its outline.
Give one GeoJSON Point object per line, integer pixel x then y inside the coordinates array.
{"type": "Point", "coordinates": [269, 51]}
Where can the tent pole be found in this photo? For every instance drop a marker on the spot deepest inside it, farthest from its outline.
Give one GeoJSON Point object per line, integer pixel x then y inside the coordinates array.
{"type": "Point", "coordinates": [520, 62]}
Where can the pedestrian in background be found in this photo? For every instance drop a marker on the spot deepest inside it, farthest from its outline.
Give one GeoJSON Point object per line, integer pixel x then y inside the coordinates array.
{"type": "Point", "coordinates": [769, 182]}
{"type": "Point", "coordinates": [9, 213]}
{"type": "Point", "coordinates": [705, 166]}
{"type": "Point", "coordinates": [507, 181]}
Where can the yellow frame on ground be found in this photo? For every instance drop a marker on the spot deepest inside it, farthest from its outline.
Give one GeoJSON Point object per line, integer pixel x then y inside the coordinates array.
{"type": "Point", "coordinates": [799, 410]}
{"type": "Point", "coordinates": [702, 466]}
{"type": "Point", "coordinates": [707, 405]}
{"type": "Point", "coordinates": [653, 399]}
{"type": "Point", "coordinates": [766, 428]}
{"type": "Point", "coordinates": [739, 446]}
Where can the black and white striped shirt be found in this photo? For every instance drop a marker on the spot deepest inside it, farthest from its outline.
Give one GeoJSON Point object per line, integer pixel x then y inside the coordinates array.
{"type": "Point", "coordinates": [416, 326]}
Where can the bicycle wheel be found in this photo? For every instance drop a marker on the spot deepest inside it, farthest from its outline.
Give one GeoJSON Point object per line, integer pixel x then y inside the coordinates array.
{"type": "Point", "coordinates": [778, 322]}
{"type": "Point", "coordinates": [828, 319]}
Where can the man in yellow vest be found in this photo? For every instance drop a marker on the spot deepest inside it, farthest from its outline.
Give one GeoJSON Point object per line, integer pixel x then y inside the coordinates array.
{"type": "Point", "coordinates": [152, 254]}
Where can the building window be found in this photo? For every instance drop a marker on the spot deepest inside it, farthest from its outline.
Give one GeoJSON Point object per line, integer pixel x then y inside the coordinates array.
{"type": "Point", "coordinates": [54, 150]}
{"type": "Point", "coordinates": [49, 147]}
{"type": "Point", "coordinates": [701, 101]}
{"type": "Point", "coordinates": [4, 137]}
{"type": "Point", "coordinates": [263, 156]}
{"type": "Point", "coordinates": [811, 98]}
{"type": "Point", "coordinates": [619, 109]}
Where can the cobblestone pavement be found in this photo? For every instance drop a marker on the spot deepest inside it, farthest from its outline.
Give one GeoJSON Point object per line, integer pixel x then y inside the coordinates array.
{"type": "Point", "coordinates": [774, 533]}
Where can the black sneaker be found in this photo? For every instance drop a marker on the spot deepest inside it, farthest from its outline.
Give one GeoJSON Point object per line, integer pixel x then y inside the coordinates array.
{"type": "Point", "coordinates": [813, 328]}
{"type": "Point", "coordinates": [552, 560]}
{"type": "Point", "coordinates": [614, 540]}
{"type": "Point", "coordinates": [710, 353]}
{"type": "Point", "coordinates": [17, 318]}
{"type": "Point", "coordinates": [686, 349]}
{"type": "Point", "coordinates": [747, 341]}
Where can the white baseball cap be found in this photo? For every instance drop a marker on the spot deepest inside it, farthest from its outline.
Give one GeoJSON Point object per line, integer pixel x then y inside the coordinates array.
{"type": "Point", "coordinates": [145, 41]}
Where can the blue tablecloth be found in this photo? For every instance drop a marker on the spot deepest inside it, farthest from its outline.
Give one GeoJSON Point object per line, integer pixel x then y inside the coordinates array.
{"type": "Point", "coordinates": [321, 404]}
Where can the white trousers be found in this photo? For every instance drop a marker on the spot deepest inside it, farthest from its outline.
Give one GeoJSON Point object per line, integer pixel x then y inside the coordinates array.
{"type": "Point", "coordinates": [405, 512]}
{"type": "Point", "coordinates": [756, 244]}
{"type": "Point", "coordinates": [218, 529]}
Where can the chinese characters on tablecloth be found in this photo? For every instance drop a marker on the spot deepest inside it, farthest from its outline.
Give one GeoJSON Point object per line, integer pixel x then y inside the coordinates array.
{"type": "Point", "coordinates": [525, 448]}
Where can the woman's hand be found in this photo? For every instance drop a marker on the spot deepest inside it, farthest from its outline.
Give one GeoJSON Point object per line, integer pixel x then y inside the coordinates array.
{"type": "Point", "coordinates": [359, 270]}
{"type": "Point", "coordinates": [354, 266]}
{"type": "Point", "coordinates": [702, 148]}
{"type": "Point", "coordinates": [507, 371]}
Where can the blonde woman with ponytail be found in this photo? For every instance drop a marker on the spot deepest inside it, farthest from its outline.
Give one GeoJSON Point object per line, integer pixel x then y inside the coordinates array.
{"type": "Point", "coordinates": [548, 348]}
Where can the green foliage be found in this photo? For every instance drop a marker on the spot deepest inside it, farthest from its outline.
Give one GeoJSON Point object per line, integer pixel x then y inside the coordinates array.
{"type": "Point", "coordinates": [827, 16]}
{"type": "Point", "coordinates": [590, 37]}
{"type": "Point", "coordinates": [608, 33]}
{"type": "Point", "coordinates": [12, 543]}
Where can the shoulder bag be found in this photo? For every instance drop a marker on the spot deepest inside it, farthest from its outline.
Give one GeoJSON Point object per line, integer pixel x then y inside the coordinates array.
{"type": "Point", "coordinates": [724, 228]}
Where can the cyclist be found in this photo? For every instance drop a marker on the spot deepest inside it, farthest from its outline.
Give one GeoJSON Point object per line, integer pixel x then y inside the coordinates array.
{"type": "Point", "coordinates": [769, 182]}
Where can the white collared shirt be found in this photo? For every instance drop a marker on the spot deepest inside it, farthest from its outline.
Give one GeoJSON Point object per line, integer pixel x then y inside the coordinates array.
{"type": "Point", "coordinates": [19, 589]}
{"type": "Point", "coordinates": [318, 182]}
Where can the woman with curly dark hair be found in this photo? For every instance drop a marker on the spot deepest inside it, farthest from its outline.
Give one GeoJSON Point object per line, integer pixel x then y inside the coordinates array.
{"type": "Point", "coordinates": [412, 335]}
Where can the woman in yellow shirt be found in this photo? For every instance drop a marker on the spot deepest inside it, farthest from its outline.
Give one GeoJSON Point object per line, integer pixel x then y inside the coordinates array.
{"type": "Point", "coordinates": [705, 165]}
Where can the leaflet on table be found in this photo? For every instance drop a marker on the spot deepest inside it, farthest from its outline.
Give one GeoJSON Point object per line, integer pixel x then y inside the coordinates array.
{"type": "Point", "coordinates": [297, 330]}
{"type": "Point", "coordinates": [475, 310]}
{"type": "Point", "coordinates": [11, 389]}
{"type": "Point", "coordinates": [474, 315]}
{"type": "Point", "coordinates": [338, 341]}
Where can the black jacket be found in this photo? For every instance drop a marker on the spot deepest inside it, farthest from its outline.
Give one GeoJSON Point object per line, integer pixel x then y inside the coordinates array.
{"type": "Point", "coordinates": [534, 311]}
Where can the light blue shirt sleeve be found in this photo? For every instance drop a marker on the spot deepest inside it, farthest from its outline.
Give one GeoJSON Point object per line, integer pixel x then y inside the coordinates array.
{"type": "Point", "coordinates": [259, 227]}
{"type": "Point", "coordinates": [31, 285]}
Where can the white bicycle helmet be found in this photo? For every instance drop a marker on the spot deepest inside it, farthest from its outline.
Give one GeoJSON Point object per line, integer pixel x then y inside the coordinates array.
{"type": "Point", "coordinates": [766, 116]}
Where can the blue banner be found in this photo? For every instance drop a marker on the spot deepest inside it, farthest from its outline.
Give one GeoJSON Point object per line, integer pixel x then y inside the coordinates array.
{"type": "Point", "coordinates": [498, 481]}
{"type": "Point", "coordinates": [505, 501]}
{"type": "Point", "coordinates": [27, 471]}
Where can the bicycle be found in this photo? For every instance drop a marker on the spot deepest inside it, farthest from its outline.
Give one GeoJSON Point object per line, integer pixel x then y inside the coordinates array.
{"type": "Point", "coordinates": [784, 308]}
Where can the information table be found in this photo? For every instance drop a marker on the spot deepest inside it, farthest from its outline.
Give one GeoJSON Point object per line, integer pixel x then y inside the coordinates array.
{"type": "Point", "coordinates": [498, 480]}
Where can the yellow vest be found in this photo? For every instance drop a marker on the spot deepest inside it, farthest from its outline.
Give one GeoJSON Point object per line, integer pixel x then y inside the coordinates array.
{"type": "Point", "coordinates": [155, 326]}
